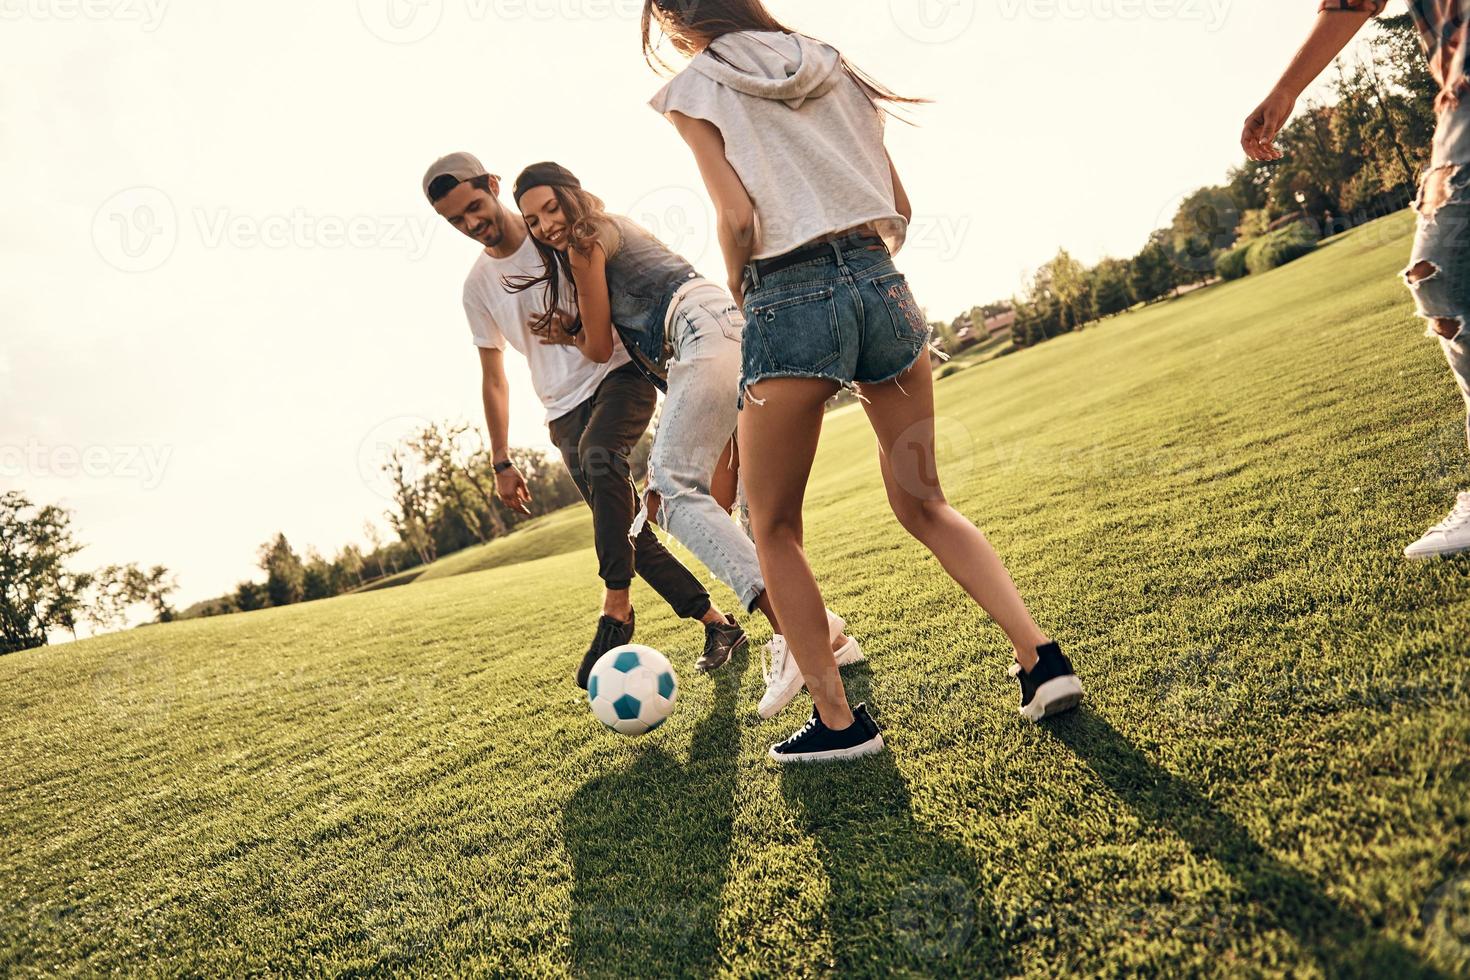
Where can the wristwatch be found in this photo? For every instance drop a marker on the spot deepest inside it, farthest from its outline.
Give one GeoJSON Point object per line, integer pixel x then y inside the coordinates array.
{"type": "Point", "coordinates": [575, 327]}
{"type": "Point", "coordinates": [504, 465]}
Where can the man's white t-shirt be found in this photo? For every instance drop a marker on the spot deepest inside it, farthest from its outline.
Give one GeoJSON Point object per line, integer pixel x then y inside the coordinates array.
{"type": "Point", "coordinates": [562, 376]}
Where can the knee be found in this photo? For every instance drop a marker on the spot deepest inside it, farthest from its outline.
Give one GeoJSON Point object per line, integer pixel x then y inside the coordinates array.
{"type": "Point", "coordinates": [653, 503]}
{"type": "Point", "coordinates": [919, 515]}
{"type": "Point", "coordinates": [1425, 279]}
{"type": "Point", "coordinates": [776, 530]}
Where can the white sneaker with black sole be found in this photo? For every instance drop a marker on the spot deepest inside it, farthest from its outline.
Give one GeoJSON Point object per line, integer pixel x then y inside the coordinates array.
{"type": "Point", "coordinates": [815, 742]}
{"type": "Point", "coordinates": [1051, 687]}
{"type": "Point", "coordinates": [1450, 536]}
{"type": "Point", "coordinates": [782, 675]}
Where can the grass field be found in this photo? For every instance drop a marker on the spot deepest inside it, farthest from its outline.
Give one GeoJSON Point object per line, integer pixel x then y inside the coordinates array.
{"type": "Point", "coordinates": [1205, 501]}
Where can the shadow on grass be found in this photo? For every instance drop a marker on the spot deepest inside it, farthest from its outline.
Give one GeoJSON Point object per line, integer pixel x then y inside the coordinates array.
{"type": "Point", "coordinates": [1342, 943]}
{"type": "Point", "coordinates": [901, 899]}
{"type": "Point", "coordinates": [650, 849]}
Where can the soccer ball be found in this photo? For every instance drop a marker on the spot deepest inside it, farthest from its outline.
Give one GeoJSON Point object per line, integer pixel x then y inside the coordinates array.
{"type": "Point", "coordinates": [632, 689]}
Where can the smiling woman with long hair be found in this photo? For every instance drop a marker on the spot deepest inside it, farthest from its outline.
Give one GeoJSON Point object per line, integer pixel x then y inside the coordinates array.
{"type": "Point", "coordinates": [684, 332]}
{"type": "Point", "coordinates": [788, 136]}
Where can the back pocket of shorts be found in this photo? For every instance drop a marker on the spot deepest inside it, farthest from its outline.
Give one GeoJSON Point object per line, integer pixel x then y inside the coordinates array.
{"type": "Point", "coordinates": [796, 333]}
{"type": "Point", "coordinates": [903, 312]}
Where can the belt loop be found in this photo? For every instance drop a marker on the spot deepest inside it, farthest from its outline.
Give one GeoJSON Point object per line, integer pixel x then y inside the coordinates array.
{"type": "Point", "coordinates": [755, 274]}
{"type": "Point", "coordinates": [837, 251]}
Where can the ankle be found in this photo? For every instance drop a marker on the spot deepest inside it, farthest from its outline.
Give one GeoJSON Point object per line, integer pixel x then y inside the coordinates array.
{"type": "Point", "coordinates": [714, 618]}
{"type": "Point", "coordinates": [620, 609]}
{"type": "Point", "coordinates": [1027, 656]}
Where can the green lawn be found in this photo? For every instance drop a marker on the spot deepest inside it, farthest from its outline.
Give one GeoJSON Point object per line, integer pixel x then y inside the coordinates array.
{"type": "Point", "coordinates": [1205, 501]}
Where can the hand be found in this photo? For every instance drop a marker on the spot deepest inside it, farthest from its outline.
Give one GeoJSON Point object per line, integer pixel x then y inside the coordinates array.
{"type": "Point", "coordinates": [1259, 138]}
{"type": "Point", "coordinates": [737, 291]}
{"type": "Point", "coordinates": [556, 332]}
{"type": "Point", "coordinates": [513, 492]}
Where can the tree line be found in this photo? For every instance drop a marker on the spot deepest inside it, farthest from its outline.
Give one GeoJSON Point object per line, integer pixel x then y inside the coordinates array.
{"type": "Point", "coordinates": [1355, 158]}
{"type": "Point", "coordinates": [40, 594]}
{"type": "Point", "coordinates": [442, 484]}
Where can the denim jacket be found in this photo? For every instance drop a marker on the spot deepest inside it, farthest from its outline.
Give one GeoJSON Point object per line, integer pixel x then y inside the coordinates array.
{"type": "Point", "coordinates": [642, 277]}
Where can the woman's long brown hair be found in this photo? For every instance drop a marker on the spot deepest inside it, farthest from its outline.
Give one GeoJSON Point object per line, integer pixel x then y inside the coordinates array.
{"type": "Point", "coordinates": [584, 213]}
{"type": "Point", "coordinates": [692, 25]}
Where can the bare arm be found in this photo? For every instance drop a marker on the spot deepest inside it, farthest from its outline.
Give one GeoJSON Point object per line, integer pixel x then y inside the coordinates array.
{"type": "Point", "coordinates": [495, 391]}
{"type": "Point", "coordinates": [736, 212]}
{"type": "Point", "coordinates": [589, 272]}
{"type": "Point", "coordinates": [900, 195]}
{"type": "Point", "coordinates": [1330, 34]}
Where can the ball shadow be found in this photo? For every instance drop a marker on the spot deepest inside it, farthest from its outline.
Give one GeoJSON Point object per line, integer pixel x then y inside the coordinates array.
{"type": "Point", "coordinates": [650, 848]}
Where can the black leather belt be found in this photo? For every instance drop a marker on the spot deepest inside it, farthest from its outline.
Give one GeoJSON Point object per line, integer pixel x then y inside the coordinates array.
{"type": "Point", "coordinates": [816, 250]}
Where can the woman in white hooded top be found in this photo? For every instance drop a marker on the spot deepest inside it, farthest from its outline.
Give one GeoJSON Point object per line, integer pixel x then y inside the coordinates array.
{"type": "Point", "coordinates": [789, 139]}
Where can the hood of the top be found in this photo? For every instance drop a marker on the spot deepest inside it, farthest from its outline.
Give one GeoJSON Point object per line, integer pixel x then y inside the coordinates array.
{"type": "Point", "coordinates": [772, 65]}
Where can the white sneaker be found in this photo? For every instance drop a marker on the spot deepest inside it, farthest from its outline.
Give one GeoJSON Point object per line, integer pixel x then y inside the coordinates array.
{"type": "Point", "coordinates": [850, 652]}
{"type": "Point", "coordinates": [1449, 537]}
{"type": "Point", "coordinates": [782, 675]}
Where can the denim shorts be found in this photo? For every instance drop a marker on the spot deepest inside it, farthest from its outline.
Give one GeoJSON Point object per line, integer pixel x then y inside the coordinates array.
{"type": "Point", "coordinates": [847, 316]}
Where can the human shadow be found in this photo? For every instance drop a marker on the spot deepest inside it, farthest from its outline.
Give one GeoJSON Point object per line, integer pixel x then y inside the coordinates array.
{"type": "Point", "coordinates": [901, 899]}
{"type": "Point", "coordinates": [650, 848]}
{"type": "Point", "coordinates": [1339, 940]}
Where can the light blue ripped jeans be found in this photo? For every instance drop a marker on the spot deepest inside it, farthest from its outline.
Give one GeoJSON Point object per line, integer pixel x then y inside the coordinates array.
{"type": "Point", "coordinates": [698, 421]}
{"type": "Point", "coordinates": [1439, 266]}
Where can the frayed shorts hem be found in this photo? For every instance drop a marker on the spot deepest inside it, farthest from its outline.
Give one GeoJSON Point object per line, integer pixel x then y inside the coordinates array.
{"type": "Point", "coordinates": [746, 383]}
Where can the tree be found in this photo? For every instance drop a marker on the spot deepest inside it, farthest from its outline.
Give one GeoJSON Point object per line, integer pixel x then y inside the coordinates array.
{"type": "Point", "coordinates": [1110, 287]}
{"type": "Point", "coordinates": [37, 593]}
{"type": "Point", "coordinates": [250, 596]}
{"type": "Point", "coordinates": [349, 566]}
{"type": "Point", "coordinates": [316, 578]}
{"type": "Point", "coordinates": [117, 588]}
{"type": "Point", "coordinates": [285, 575]}
{"type": "Point", "coordinates": [1073, 287]}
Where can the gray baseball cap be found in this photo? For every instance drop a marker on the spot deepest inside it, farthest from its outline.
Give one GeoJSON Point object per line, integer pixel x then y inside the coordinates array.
{"type": "Point", "coordinates": [460, 166]}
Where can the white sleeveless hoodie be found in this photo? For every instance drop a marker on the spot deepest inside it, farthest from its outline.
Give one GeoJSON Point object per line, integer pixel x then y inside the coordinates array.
{"type": "Point", "coordinates": [803, 136]}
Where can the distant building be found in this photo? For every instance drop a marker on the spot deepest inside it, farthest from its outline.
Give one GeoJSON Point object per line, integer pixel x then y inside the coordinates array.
{"type": "Point", "coordinates": [1001, 323]}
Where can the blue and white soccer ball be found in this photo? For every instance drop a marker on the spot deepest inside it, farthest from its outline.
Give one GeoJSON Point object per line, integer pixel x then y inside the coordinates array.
{"type": "Point", "coordinates": [632, 689]}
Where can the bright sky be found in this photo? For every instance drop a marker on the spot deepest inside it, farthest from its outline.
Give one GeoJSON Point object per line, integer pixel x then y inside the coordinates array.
{"type": "Point", "coordinates": [223, 289]}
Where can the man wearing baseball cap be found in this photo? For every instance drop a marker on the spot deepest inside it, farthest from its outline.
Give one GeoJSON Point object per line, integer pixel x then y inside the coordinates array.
{"type": "Point", "coordinates": [596, 412]}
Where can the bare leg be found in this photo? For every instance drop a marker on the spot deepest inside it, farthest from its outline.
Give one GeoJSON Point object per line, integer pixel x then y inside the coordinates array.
{"type": "Point", "coordinates": [904, 424]}
{"type": "Point", "coordinates": [727, 477]}
{"type": "Point", "coordinates": [780, 426]}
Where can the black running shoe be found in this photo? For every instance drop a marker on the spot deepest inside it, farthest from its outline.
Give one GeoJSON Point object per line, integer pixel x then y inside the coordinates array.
{"type": "Point", "coordinates": [1051, 687]}
{"type": "Point", "coordinates": [611, 634]}
{"type": "Point", "coordinates": [721, 642]}
{"type": "Point", "coordinates": [815, 742]}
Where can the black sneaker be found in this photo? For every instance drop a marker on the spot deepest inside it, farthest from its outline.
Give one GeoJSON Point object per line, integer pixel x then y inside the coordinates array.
{"type": "Point", "coordinates": [815, 742]}
{"type": "Point", "coordinates": [721, 642]}
{"type": "Point", "coordinates": [1051, 687]}
{"type": "Point", "coordinates": [611, 634]}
